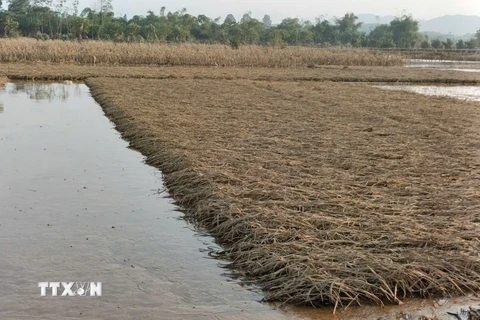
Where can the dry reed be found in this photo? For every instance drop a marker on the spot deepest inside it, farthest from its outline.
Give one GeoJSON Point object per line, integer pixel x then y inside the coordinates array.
{"type": "Point", "coordinates": [324, 193]}
{"type": "Point", "coordinates": [110, 53]}
{"type": "Point", "coordinates": [3, 81]}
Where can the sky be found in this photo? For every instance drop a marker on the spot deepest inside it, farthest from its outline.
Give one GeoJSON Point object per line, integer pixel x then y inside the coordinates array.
{"type": "Point", "coordinates": [303, 9]}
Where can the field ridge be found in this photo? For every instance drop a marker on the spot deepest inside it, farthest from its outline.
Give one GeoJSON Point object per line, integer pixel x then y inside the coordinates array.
{"type": "Point", "coordinates": [56, 72]}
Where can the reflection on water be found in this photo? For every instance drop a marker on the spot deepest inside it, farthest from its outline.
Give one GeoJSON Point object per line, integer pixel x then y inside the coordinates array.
{"type": "Point", "coordinates": [44, 91]}
{"type": "Point", "coordinates": [1, 107]}
{"type": "Point", "coordinates": [470, 93]}
{"type": "Point", "coordinates": [462, 70]}
{"type": "Point", "coordinates": [424, 63]}
{"type": "Point", "coordinates": [77, 205]}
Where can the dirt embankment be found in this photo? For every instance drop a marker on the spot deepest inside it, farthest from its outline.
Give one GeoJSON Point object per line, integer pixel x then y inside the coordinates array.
{"type": "Point", "coordinates": [325, 193]}
{"type": "Point", "coordinates": [41, 71]}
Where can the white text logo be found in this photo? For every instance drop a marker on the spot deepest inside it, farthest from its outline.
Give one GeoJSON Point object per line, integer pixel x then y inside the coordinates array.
{"type": "Point", "coordinates": [71, 289]}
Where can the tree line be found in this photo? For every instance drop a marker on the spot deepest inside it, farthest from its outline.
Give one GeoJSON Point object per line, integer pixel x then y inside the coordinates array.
{"type": "Point", "coordinates": [61, 19]}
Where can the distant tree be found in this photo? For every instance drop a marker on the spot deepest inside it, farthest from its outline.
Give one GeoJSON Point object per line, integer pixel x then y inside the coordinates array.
{"type": "Point", "coordinates": [10, 26]}
{"type": "Point", "coordinates": [425, 44]}
{"type": "Point", "coordinates": [18, 7]}
{"type": "Point", "coordinates": [325, 33]}
{"type": "Point", "coordinates": [106, 6]}
{"type": "Point", "coordinates": [203, 30]}
{"type": "Point", "coordinates": [267, 21]}
{"type": "Point", "coordinates": [348, 23]}
{"type": "Point", "coordinates": [295, 32]}
{"type": "Point", "coordinates": [230, 19]}
{"type": "Point", "coordinates": [437, 44]}
{"type": "Point", "coordinates": [306, 34]}
{"type": "Point", "coordinates": [132, 31]}
{"type": "Point", "coordinates": [381, 37]}
{"type": "Point", "coordinates": [182, 24]}
{"type": "Point", "coordinates": [448, 44]}
{"type": "Point", "coordinates": [405, 31]}
{"type": "Point", "coordinates": [276, 37]}
{"type": "Point", "coordinates": [246, 17]}
{"type": "Point", "coordinates": [60, 19]}
{"type": "Point", "coordinates": [230, 31]}
{"type": "Point", "coordinates": [251, 30]}
{"type": "Point", "coordinates": [291, 29]}
{"type": "Point", "coordinates": [348, 29]}
{"type": "Point", "coordinates": [461, 44]}
{"type": "Point", "coordinates": [472, 43]}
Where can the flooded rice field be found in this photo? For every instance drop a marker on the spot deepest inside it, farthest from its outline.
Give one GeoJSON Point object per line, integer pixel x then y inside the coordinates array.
{"type": "Point", "coordinates": [76, 205]}
{"type": "Point", "coordinates": [470, 93]}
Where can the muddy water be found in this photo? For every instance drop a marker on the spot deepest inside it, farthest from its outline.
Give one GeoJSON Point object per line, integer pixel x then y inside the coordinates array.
{"type": "Point", "coordinates": [77, 205]}
{"type": "Point", "coordinates": [411, 309]}
{"type": "Point", "coordinates": [470, 93]}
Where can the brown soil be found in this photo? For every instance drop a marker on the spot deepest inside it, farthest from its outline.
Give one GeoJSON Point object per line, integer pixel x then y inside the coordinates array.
{"type": "Point", "coordinates": [325, 193]}
{"type": "Point", "coordinates": [62, 72]}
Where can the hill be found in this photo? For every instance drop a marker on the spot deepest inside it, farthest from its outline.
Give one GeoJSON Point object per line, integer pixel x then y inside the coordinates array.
{"type": "Point", "coordinates": [449, 25]}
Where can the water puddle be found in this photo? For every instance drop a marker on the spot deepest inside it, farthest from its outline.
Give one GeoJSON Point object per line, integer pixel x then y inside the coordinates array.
{"type": "Point", "coordinates": [76, 205]}
{"type": "Point", "coordinates": [461, 70]}
{"type": "Point", "coordinates": [470, 93]}
{"type": "Point", "coordinates": [425, 63]}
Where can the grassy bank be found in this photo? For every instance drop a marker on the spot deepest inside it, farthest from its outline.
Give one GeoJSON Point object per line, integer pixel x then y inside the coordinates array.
{"type": "Point", "coordinates": [325, 193]}
{"type": "Point", "coordinates": [110, 53]}
{"type": "Point", "coordinates": [44, 71]}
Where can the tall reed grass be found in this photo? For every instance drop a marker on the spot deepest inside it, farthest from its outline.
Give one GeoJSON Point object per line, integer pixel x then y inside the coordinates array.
{"type": "Point", "coordinates": [110, 53]}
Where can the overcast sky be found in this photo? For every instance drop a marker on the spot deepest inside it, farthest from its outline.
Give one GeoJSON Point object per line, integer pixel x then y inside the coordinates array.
{"type": "Point", "coordinates": [304, 9]}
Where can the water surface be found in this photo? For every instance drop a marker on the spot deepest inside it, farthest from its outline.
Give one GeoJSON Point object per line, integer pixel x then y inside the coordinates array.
{"type": "Point", "coordinates": [470, 93]}
{"type": "Point", "coordinates": [462, 70]}
{"type": "Point", "coordinates": [77, 205]}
